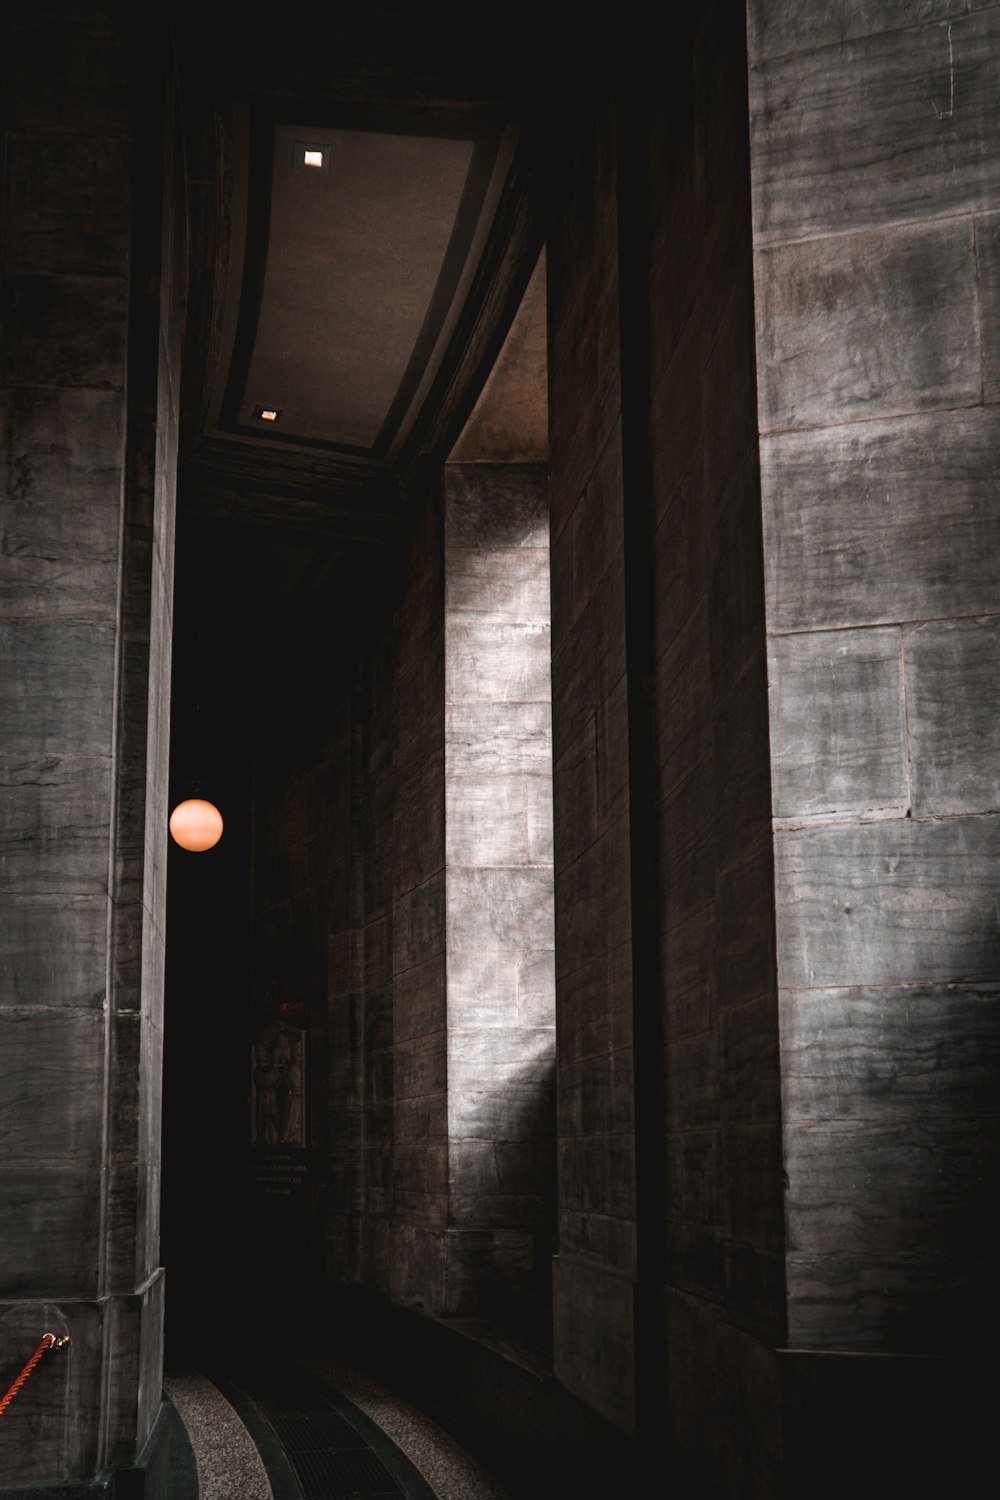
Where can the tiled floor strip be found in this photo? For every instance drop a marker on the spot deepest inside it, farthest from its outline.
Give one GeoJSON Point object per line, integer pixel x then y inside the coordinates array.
{"type": "Point", "coordinates": [319, 1431]}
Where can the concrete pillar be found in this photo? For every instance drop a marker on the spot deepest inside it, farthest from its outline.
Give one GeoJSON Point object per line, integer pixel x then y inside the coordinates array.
{"type": "Point", "coordinates": [91, 298]}
{"type": "Point", "coordinates": [498, 890]}
{"type": "Point", "coordinates": [593, 1287]}
{"type": "Point", "coordinates": [876, 183]}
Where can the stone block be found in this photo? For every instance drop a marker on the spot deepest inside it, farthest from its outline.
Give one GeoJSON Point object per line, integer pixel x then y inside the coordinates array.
{"type": "Point", "coordinates": [588, 658]}
{"type": "Point", "coordinates": [64, 330]}
{"type": "Point", "coordinates": [872, 1053]}
{"type": "Point", "coordinates": [483, 988]}
{"type": "Point", "coordinates": [952, 686]}
{"type": "Point", "coordinates": [418, 923]}
{"type": "Point", "coordinates": [498, 739]}
{"type": "Point", "coordinates": [486, 818]}
{"type": "Point", "coordinates": [755, 1289]}
{"type": "Point", "coordinates": [775, 29]}
{"type": "Point", "coordinates": [53, 951]}
{"type": "Point", "coordinates": [494, 587]}
{"type": "Point", "coordinates": [755, 1206]}
{"type": "Point", "coordinates": [594, 1333]}
{"type": "Point", "coordinates": [724, 1412]}
{"type": "Point", "coordinates": [687, 963]}
{"type": "Point", "coordinates": [695, 1259]}
{"type": "Point", "coordinates": [890, 1187]}
{"type": "Point", "coordinates": [745, 928]}
{"type": "Point", "coordinates": [67, 195]}
{"type": "Point", "coordinates": [500, 1184]}
{"type": "Point", "coordinates": [417, 1260]}
{"type": "Point", "coordinates": [692, 1082]}
{"type": "Point", "coordinates": [838, 741]}
{"type": "Point", "coordinates": [895, 126]}
{"type": "Point", "coordinates": [494, 1058]}
{"type": "Point", "coordinates": [418, 1000]}
{"type": "Point", "coordinates": [595, 1004]}
{"type": "Point", "coordinates": [592, 910]}
{"type": "Point", "coordinates": [497, 662]}
{"type": "Point", "coordinates": [596, 1095]}
{"type": "Point", "coordinates": [56, 687]}
{"type": "Point", "coordinates": [53, 1086]}
{"type": "Point", "coordinates": [72, 74]}
{"type": "Point", "coordinates": [536, 987]}
{"type": "Point", "coordinates": [686, 835]}
{"type": "Point", "coordinates": [52, 1230]}
{"type": "Point", "coordinates": [888, 903]}
{"type": "Point", "coordinates": [749, 1061]}
{"type": "Point", "coordinates": [486, 1269]}
{"type": "Point", "coordinates": [500, 908]}
{"type": "Point", "coordinates": [516, 1108]}
{"type": "Point", "coordinates": [868, 325]}
{"type": "Point", "coordinates": [496, 506]}
{"type": "Point", "coordinates": [597, 1176]}
{"type": "Point", "coordinates": [598, 1237]}
{"type": "Point", "coordinates": [38, 1445]}
{"type": "Point", "coordinates": [419, 1066]}
{"type": "Point", "coordinates": [694, 1177]}
{"type": "Point", "coordinates": [584, 374]}
{"type": "Point", "coordinates": [61, 481]}
{"type": "Point", "coordinates": [902, 1302]}
{"type": "Point", "coordinates": [882, 521]}
{"type": "Point", "coordinates": [423, 1117]}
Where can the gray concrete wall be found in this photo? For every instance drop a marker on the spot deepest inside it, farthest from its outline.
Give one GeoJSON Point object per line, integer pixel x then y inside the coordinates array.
{"type": "Point", "coordinates": [499, 899]}
{"type": "Point", "coordinates": [876, 179]}
{"type": "Point", "coordinates": [92, 296]}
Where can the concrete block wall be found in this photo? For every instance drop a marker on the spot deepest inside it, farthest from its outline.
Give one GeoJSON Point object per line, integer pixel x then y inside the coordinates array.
{"type": "Point", "coordinates": [91, 299]}
{"type": "Point", "coordinates": [876, 178]}
{"type": "Point", "coordinates": [498, 845]}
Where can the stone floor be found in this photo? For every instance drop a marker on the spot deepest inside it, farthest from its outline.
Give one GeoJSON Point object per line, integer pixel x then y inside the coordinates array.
{"type": "Point", "coordinates": [310, 1429]}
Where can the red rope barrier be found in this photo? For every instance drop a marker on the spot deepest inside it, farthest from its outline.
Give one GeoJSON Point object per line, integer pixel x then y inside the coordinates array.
{"type": "Point", "coordinates": [49, 1341]}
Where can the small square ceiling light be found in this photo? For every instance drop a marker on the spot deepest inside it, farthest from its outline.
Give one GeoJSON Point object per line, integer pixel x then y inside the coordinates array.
{"type": "Point", "coordinates": [310, 157]}
{"type": "Point", "coordinates": [267, 414]}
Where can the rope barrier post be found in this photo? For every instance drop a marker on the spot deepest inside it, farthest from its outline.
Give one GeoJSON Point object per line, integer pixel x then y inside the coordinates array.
{"type": "Point", "coordinates": [49, 1341]}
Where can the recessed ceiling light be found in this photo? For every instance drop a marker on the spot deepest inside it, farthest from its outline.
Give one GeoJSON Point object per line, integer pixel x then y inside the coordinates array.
{"type": "Point", "coordinates": [267, 414]}
{"type": "Point", "coordinates": [309, 156]}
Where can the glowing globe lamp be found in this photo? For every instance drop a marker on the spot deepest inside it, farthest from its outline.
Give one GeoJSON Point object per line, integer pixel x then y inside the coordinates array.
{"type": "Point", "coordinates": [196, 825]}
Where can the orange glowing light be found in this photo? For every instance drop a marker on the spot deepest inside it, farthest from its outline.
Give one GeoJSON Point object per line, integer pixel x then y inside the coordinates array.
{"type": "Point", "coordinates": [196, 825]}
{"type": "Point", "coordinates": [312, 158]}
{"type": "Point", "coordinates": [268, 414]}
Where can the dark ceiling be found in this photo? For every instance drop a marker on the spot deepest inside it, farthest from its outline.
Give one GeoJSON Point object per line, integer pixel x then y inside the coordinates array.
{"type": "Point", "coordinates": [363, 299]}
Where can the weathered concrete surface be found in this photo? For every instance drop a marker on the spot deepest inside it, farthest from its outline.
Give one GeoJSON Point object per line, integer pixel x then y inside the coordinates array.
{"type": "Point", "coordinates": [874, 167]}
{"type": "Point", "coordinates": [91, 301]}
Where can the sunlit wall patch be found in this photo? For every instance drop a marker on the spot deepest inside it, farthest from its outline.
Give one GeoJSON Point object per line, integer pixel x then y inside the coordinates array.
{"type": "Point", "coordinates": [310, 156]}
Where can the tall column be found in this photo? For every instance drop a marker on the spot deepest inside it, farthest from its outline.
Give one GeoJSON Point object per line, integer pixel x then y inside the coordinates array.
{"type": "Point", "coordinates": [498, 891]}
{"type": "Point", "coordinates": [89, 410]}
{"type": "Point", "coordinates": [593, 1286]}
{"type": "Point", "coordinates": [876, 180]}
